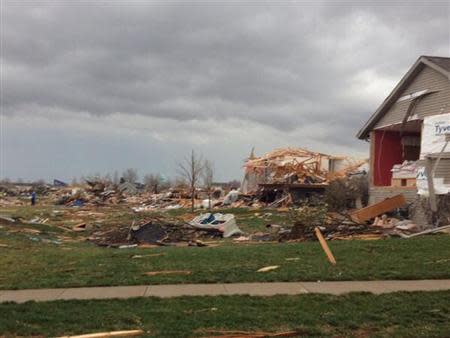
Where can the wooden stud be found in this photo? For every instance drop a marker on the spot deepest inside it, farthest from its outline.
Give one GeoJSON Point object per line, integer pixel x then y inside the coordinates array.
{"type": "Point", "coordinates": [325, 247]}
{"type": "Point", "coordinates": [128, 333]}
{"type": "Point", "coordinates": [389, 204]}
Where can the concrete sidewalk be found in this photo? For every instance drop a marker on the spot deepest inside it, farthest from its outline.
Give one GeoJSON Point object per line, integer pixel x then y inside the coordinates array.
{"type": "Point", "coordinates": [252, 289]}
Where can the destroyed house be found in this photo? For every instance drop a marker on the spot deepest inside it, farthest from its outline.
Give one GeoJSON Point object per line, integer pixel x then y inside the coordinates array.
{"type": "Point", "coordinates": [294, 173]}
{"type": "Point", "coordinates": [409, 134]}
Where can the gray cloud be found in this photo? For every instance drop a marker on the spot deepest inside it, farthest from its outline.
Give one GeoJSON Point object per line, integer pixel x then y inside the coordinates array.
{"type": "Point", "coordinates": [283, 67]}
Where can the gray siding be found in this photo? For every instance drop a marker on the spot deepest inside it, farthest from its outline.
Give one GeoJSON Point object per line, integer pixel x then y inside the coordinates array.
{"type": "Point", "coordinates": [442, 170]}
{"type": "Point", "coordinates": [432, 104]}
{"type": "Point", "coordinates": [377, 194]}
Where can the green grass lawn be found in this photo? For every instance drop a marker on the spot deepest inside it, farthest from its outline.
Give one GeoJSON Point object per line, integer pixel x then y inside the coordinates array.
{"type": "Point", "coordinates": [55, 257]}
{"type": "Point", "coordinates": [418, 314]}
{"type": "Point", "coordinates": [27, 263]}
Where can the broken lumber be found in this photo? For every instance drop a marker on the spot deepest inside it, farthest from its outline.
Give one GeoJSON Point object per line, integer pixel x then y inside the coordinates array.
{"type": "Point", "coordinates": [168, 272]}
{"type": "Point", "coordinates": [429, 231]}
{"type": "Point", "coordinates": [248, 334]}
{"type": "Point", "coordinates": [374, 210]}
{"type": "Point", "coordinates": [268, 268]}
{"type": "Point", "coordinates": [325, 247]}
{"type": "Point", "coordinates": [128, 333]}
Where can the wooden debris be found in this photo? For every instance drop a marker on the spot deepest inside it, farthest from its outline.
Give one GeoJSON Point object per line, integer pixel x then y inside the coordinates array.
{"type": "Point", "coordinates": [268, 268]}
{"type": "Point", "coordinates": [168, 272]}
{"type": "Point", "coordinates": [150, 255]}
{"type": "Point", "coordinates": [306, 166]}
{"type": "Point", "coordinates": [430, 231]}
{"type": "Point", "coordinates": [128, 333]}
{"type": "Point", "coordinates": [80, 227]}
{"type": "Point", "coordinates": [325, 247]}
{"type": "Point", "coordinates": [378, 209]}
{"type": "Point", "coordinates": [248, 334]}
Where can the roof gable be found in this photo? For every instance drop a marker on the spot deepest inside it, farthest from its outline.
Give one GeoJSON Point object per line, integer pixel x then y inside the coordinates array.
{"type": "Point", "coordinates": [440, 64]}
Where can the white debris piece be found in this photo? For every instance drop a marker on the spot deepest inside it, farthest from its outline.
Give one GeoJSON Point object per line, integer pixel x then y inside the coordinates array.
{"type": "Point", "coordinates": [225, 223]}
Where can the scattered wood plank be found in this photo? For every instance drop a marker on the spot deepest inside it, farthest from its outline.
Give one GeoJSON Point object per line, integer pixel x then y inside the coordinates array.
{"type": "Point", "coordinates": [429, 231]}
{"type": "Point", "coordinates": [372, 211]}
{"type": "Point", "coordinates": [79, 227]}
{"type": "Point", "coordinates": [248, 334]}
{"type": "Point", "coordinates": [325, 247]}
{"type": "Point", "coordinates": [168, 272]}
{"type": "Point", "coordinates": [150, 255]}
{"type": "Point", "coordinates": [128, 333]}
{"type": "Point", "coordinates": [268, 268]}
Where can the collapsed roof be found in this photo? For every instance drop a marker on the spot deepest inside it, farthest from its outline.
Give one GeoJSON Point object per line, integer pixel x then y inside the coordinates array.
{"type": "Point", "coordinates": [297, 165]}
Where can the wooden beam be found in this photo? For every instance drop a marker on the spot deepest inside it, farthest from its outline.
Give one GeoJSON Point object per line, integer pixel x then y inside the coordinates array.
{"type": "Point", "coordinates": [325, 247]}
{"type": "Point", "coordinates": [430, 231]}
{"type": "Point", "coordinates": [128, 333]}
{"type": "Point", "coordinates": [374, 210]}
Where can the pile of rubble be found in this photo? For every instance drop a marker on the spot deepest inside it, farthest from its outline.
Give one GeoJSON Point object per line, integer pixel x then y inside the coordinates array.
{"type": "Point", "coordinates": [296, 165]}
{"type": "Point", "coordinates": [167, 232]}
{"type": "Point", "coordinates": [93, 193]}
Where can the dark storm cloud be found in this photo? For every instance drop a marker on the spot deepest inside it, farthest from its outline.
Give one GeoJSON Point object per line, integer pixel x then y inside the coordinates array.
{"type": "Point", "coordinates": [313, 69]}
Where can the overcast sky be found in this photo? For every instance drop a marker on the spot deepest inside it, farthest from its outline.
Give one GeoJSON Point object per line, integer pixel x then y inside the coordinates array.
{"type": "Point", "coordinates": [92, 87]}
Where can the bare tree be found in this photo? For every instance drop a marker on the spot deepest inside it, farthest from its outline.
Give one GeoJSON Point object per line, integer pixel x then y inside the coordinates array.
{"type": "Point", "coordinates": [208, 176]}
{"type": "Point", "coordinates": [116, 179]}
{"type": "Point", "coordinates": [74, 181]}
{"type": "Point", "coordinates": [130, 175]}
{"type": "Point", "coordinates": [153, 182]}
{"type": "Point", "coordinates": [191, 170]}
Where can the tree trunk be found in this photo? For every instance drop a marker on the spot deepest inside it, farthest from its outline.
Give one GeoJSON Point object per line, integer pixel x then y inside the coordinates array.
{"type": "Point", "coordinates": [192, 198]}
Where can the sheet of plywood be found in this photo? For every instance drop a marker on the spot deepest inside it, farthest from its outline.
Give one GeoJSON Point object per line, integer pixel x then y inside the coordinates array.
{"type": "Point", "coordinates": [379, 208]}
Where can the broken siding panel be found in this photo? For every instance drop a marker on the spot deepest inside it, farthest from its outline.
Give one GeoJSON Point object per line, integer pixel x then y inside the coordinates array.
{"type": "Point", "coordinates": [431, 104]}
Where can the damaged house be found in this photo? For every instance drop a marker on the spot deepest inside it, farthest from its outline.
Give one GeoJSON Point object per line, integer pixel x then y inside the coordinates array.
{"type": "Point", "coordinates": [409, 135]}
{"type": "Point", "coordinates": [290, 174]}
